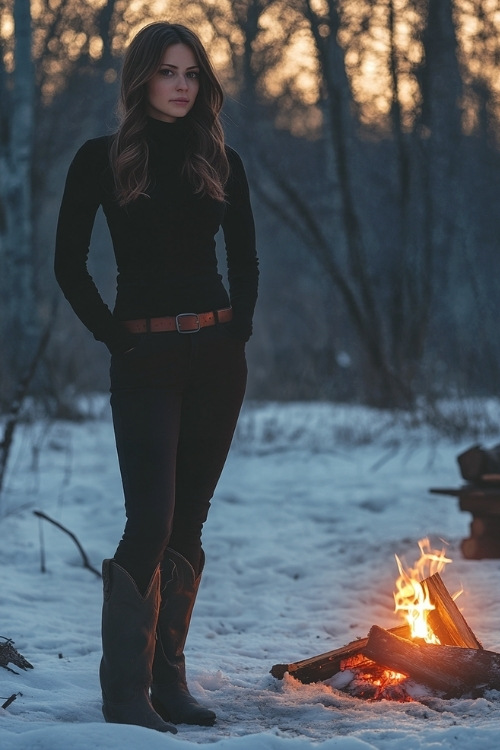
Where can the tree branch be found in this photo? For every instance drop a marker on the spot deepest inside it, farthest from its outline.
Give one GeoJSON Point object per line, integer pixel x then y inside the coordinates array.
{"type": "Point", "coordinates": [86, 561]}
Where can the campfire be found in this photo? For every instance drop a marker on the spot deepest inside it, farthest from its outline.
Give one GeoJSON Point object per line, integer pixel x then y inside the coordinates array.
{"type": "Point", "coordinates": [433, 651]}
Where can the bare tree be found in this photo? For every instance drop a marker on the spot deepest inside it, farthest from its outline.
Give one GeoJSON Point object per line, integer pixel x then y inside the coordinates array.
{"type": "Point", "coordinates": [386, 278]}
{"type": "Point", "coordinates": [19, 320]}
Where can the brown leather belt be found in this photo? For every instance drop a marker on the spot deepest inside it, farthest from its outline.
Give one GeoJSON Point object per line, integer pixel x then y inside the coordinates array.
{"type": "Point", "coordinates": [183, 323]}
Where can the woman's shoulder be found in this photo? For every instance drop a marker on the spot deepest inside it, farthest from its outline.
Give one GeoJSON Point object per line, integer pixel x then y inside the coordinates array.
{"type": "Point", "coordinates": [237, 183]}
{"type": "Point", "coordinates": [232, 155]}
{"type": "Point", "coordinates": [95, 148]}
{"type": "Point", "coordinates": [90, 164]}
{"type": "Point", "coordinates": [236, 166]}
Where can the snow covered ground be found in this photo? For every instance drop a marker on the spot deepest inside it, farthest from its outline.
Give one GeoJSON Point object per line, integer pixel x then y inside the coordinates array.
{"type": "Point", "coordinates": [313, 504]}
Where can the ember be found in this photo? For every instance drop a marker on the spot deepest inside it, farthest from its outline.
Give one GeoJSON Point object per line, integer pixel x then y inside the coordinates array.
{"type": "Point", "coordinates": [369, 680]}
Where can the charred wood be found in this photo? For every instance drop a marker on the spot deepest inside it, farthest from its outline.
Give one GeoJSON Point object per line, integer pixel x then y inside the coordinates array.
{"type": "Point", "coordinates": [324, 666]}
{"type": "Point", "coordinates": [451, 669]}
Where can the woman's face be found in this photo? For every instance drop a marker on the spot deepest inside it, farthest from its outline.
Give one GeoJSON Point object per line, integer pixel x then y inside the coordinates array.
{"type": "Point", "coordinates": [173, 89]}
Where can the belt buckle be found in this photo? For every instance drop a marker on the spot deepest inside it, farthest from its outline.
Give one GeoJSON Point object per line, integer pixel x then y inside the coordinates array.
{"type": "Point", "coordinates": [187, 330]}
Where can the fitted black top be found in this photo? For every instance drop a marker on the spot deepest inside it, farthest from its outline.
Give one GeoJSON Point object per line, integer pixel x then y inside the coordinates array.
{"type": "Point", "coordinates": [164, 243]}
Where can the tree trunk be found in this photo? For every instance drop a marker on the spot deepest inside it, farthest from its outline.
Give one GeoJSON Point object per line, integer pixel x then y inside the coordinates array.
{"type": "Point", "coordinates": [440, 124]}
{"type": "Point", "coordinates": [19, 319]}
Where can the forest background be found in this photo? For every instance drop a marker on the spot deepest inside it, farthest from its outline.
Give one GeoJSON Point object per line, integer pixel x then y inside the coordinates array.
{"type": "Point", "coordinates": [370, 130]}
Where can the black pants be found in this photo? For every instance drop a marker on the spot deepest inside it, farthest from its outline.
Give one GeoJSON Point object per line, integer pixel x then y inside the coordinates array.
{"type": "Point", "coordinates": [175, 401]}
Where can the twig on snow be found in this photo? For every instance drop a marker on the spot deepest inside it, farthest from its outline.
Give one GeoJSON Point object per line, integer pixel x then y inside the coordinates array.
{"type": "Point", "coordinates": [10, 700]}
{"type": "Point", "coordinates": [86, 561]}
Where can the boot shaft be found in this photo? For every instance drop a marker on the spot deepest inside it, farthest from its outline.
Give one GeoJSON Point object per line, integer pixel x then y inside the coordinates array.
{"type": "Point", "coordinates": [128, 632]}
{"type": "Point", "coordinates": [128, 643]}
{"type": "Point", "coordinates": [169, 692]}
{"type": "Point", "coordinates": [179, 588]}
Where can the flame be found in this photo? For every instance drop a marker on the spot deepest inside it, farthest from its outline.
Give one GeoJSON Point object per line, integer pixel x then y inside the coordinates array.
{"type": "Point", "coordinates": [411, 597]}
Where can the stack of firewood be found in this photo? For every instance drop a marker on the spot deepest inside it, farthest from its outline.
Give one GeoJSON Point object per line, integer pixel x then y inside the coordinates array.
{"type": "Point", "coordinates": [480, 497]}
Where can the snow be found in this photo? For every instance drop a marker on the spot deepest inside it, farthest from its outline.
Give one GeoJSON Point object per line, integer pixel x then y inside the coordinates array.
{"type": "Point", "coordinates": [314, 502]}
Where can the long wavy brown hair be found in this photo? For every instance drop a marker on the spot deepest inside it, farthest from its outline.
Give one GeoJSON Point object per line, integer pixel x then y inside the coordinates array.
{"type": "Point", "coordinates": [206, 166]}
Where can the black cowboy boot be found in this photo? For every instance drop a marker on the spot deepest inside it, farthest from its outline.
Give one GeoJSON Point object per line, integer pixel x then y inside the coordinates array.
{"type": "Point", "coordinates": [128, 643]}
{"type": "Point", "coordinates": [169, 692]}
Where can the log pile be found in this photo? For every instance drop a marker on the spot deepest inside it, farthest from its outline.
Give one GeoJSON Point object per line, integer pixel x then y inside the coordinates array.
{"type": "Point", "coordinates": [457, 666]}
{"type": "Point", "coordinates": [482, 500]}
{"type": "Point", "coordinates": [480, 467]}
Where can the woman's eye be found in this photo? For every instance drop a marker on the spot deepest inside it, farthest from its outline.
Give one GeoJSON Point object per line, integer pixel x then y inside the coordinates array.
{"type": "Point", "coordinates": [167, 73]}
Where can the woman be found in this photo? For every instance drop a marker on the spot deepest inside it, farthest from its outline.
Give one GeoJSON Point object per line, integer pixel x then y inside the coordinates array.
{"type": "Point", "coordinates": [166, 182]}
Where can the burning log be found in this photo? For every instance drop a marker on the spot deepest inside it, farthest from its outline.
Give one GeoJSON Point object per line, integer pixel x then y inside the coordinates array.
{"type": "Point", "coordinates": [446, 620]}
{"type": "Point", "coordinates": [324, 666]}
{"type": "Point", "coordinates": [451, 669]}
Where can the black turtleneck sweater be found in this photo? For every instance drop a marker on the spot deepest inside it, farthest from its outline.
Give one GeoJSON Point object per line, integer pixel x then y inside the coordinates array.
{"type": "Point", "coordinates": [164, 243]}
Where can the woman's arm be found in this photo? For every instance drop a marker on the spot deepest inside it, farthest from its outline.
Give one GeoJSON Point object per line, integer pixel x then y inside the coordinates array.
{"type": "Point", "coordinates": [81, 199]}
{"type": "Point", "coordinates": [239, 235]}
